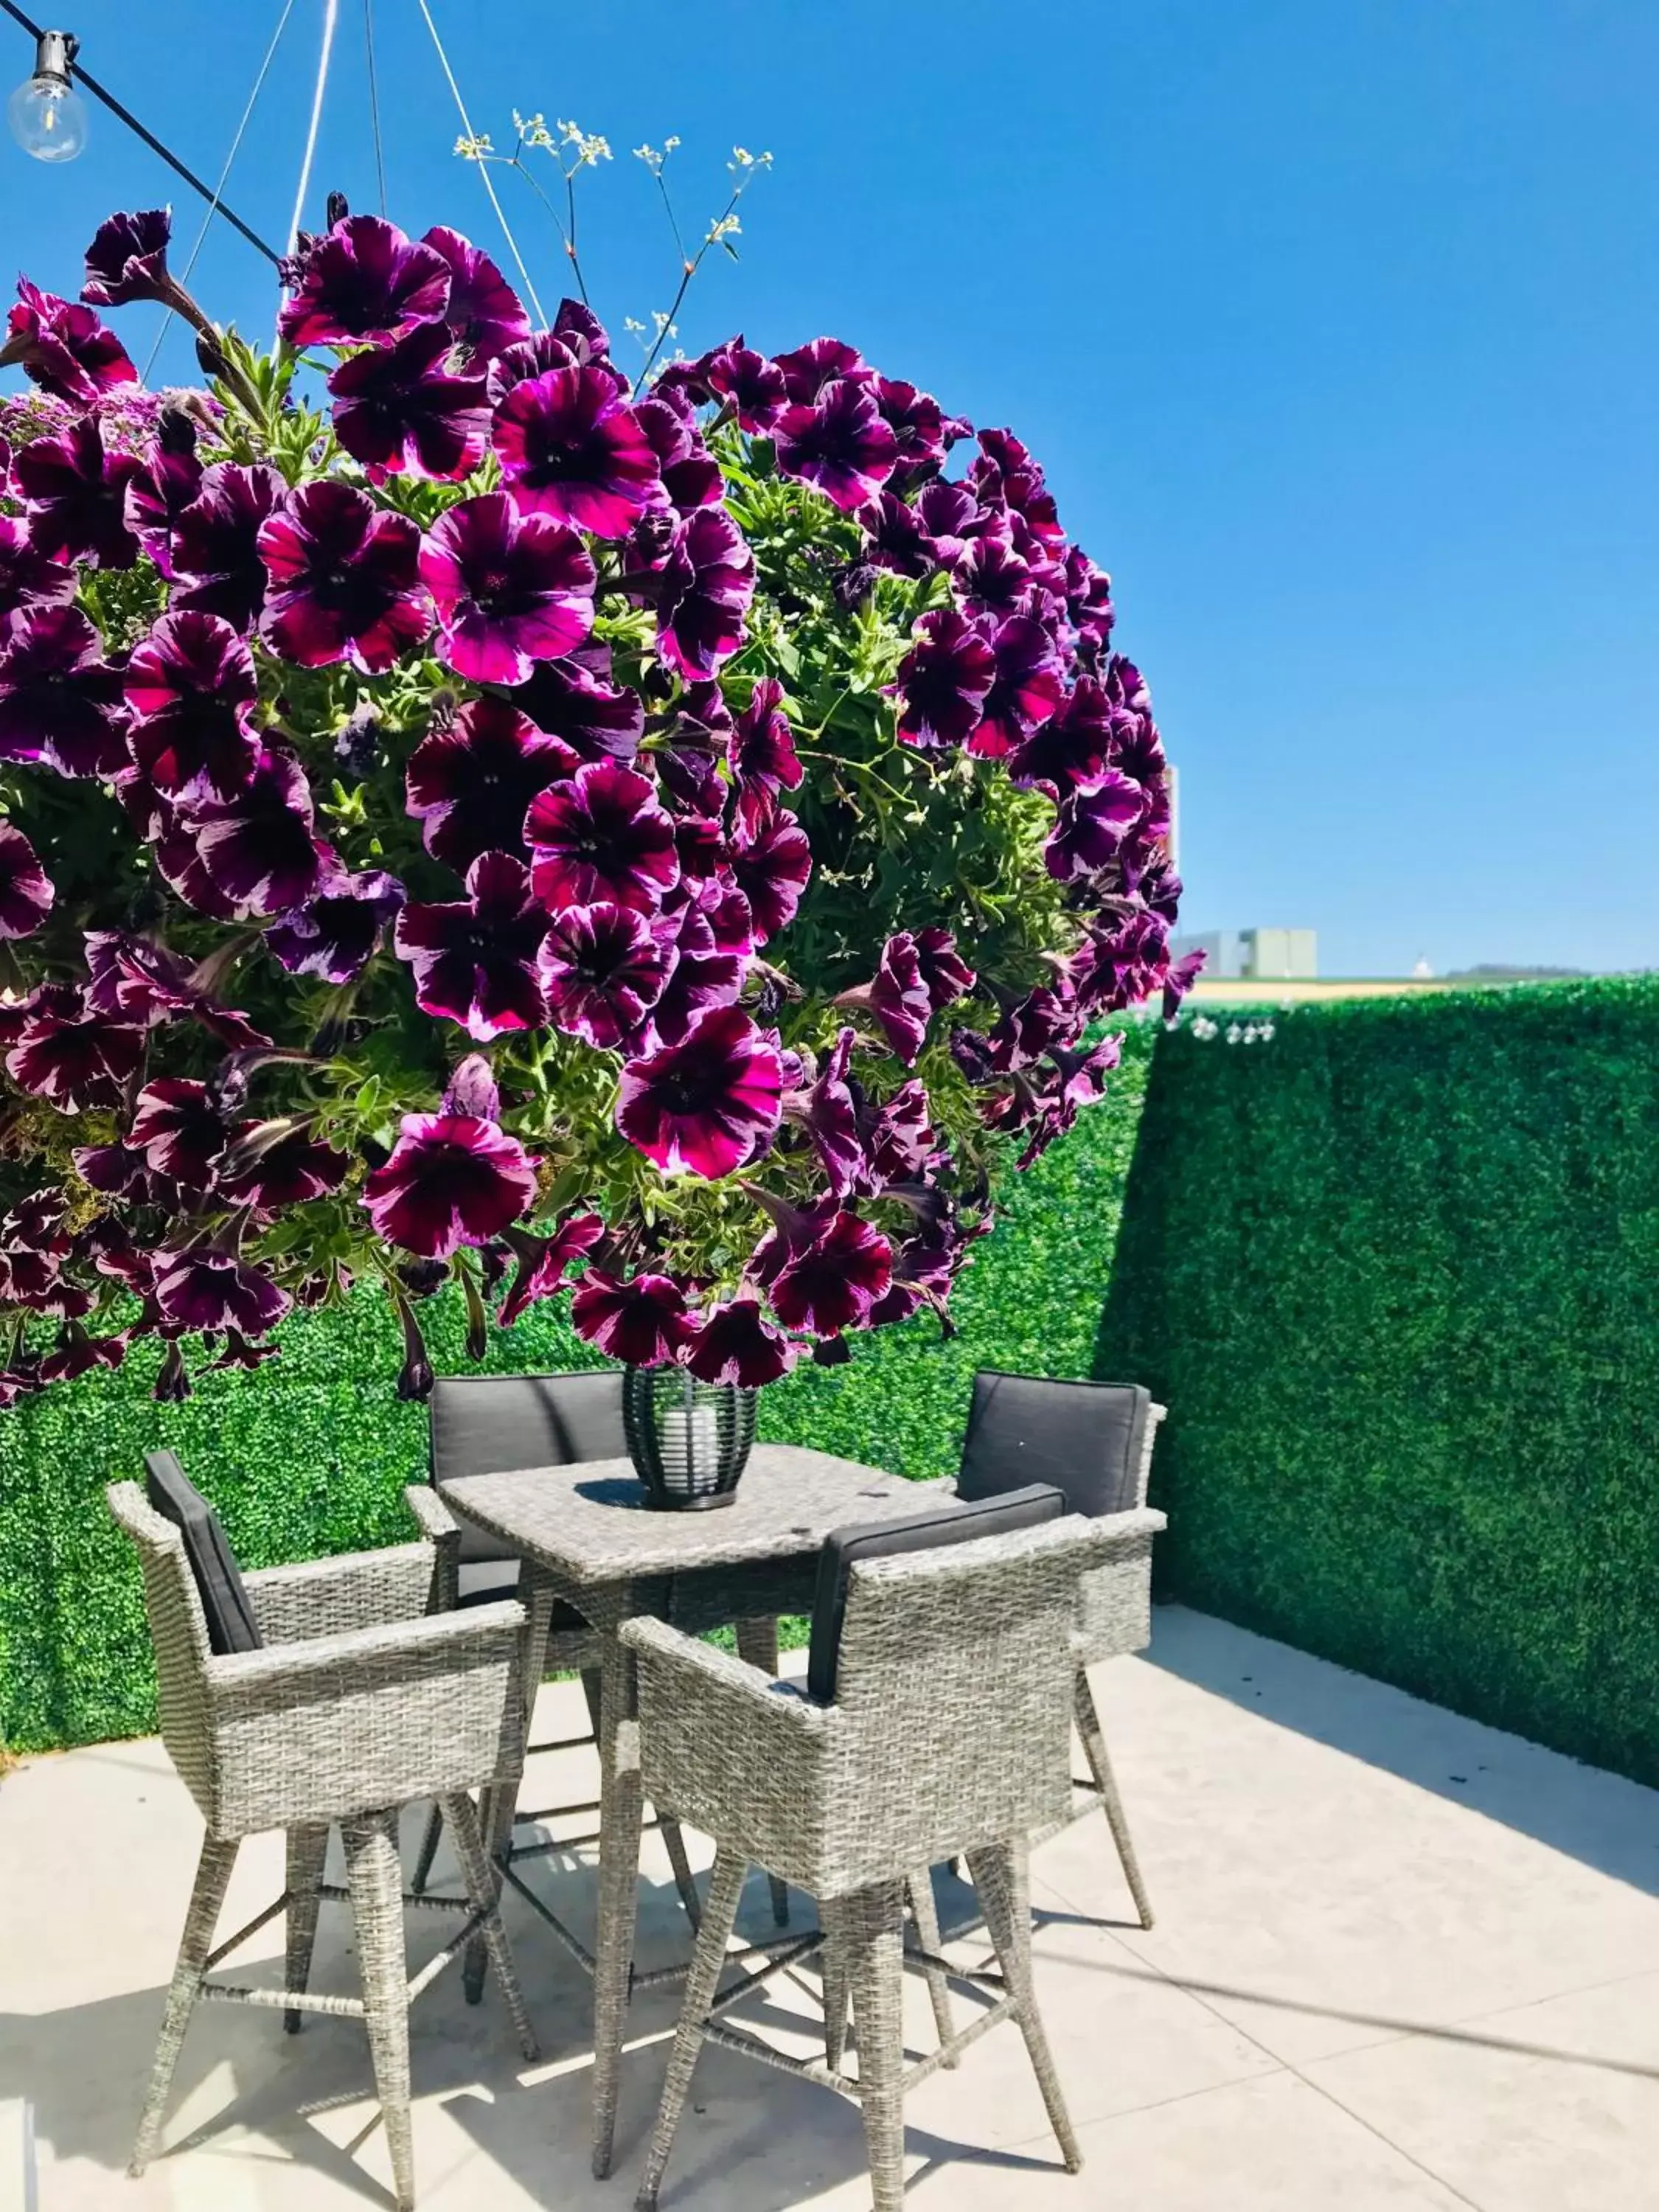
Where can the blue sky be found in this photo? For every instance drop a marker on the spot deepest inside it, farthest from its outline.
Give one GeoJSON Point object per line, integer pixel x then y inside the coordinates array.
{"type": "Point", "coordinates": [1334, 322]}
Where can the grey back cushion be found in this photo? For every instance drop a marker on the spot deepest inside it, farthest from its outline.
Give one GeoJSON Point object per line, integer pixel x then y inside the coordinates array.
{"type": "Point", "coordinates": [225, 1601]}
{"type": "Point", "coordinates": [1086, 1438]}
{"type": "Point", "coordinates": [487, 1424]}
{"type": "Point", "coordinates": [939, 1526]}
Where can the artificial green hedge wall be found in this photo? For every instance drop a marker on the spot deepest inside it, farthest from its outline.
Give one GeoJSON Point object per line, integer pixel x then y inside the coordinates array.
{"type": "Point", "coordinates": [310, 1454]}
{"type": "Point", "coordinates": [1395, 1273]}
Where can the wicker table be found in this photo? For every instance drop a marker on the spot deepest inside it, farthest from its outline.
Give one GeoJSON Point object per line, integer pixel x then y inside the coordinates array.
{"type": "Point", "coordinates": [586, 1538]}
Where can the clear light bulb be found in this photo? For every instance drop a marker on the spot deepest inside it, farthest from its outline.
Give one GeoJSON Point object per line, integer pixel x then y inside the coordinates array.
{"type": "Point", "coordinates": [47, 116]}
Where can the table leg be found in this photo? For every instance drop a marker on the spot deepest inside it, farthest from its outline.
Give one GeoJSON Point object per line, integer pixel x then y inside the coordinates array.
{"type": "Point", "coordinates": [499, 1801]}
{"type": "Point", "coordinates": [620, 1821]}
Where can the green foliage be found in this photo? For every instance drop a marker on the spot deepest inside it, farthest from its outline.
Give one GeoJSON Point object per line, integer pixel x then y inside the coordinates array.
{"type": "Point", "coordinates": [1396, 1276]}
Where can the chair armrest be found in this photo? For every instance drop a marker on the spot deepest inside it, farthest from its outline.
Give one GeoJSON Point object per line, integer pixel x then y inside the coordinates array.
{"type": "Point", "coordinates": [1114, 1598]}
{"type": "Point", "coordinates": [702, 1671]}
{"type": "Point", "coordinates": [332, 1597]}
{"type": "Point", "coordinates": [443, 1531]}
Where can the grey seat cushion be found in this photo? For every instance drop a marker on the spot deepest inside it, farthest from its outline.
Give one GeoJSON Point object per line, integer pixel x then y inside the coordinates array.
{"type": "Point", "coordinates": [226, 1605]}
{"type": "Point", "coordinates": [1086, 1438]}
{"type": "Point", "coordinates": [488, 1424]}
{"type": "Point", "coordinates": [882, 1540]}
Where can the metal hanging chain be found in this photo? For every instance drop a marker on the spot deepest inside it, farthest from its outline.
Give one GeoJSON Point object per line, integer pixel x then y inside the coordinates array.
{"type": "Point", "coordinates": [331, 19]}
{"type": "Point", "coordinates": [482, 167]}
{"type": "Point", "coordinates": [374, 101]}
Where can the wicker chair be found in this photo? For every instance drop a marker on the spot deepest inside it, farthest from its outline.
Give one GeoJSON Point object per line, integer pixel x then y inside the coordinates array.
{"type": "Point", "coordinates": [947, 1732]}
{"type": "Point", "coordinates": [357, 1702]}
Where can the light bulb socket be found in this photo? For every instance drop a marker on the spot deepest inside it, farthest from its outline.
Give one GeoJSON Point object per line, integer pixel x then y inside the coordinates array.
{"type": "Point", "coordinates": [54, 56]}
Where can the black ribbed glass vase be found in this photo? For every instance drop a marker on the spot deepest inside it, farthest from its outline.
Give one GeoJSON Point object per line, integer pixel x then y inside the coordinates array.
{"type": "Point", "coordinates": [688, 1440]}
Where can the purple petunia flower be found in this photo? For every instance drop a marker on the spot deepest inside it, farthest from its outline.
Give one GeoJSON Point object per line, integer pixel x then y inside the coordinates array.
{"type": "Point", "coordinates": [894, 538]}
{"type": "Point", "coordinates": [828, 1282]}
{"type": "Point", "coordinates": [511, 589]}
{"type": "Point", "coordinates": [484, 315]}
{"type": "Point", "coordinates": [362, 280]}
{"type": "Point", "coordinates": [642, 1322]}
{"type": "Point", "coordinates": [1120, 962]}
{"type": "Point", "coordinates": [127, 260]}
{"type": "Point", "coordinates": [1025, 689]}
{"type": "Point", "coordinates": [73, 1058]}
{"type": "Point", "coordinates": [829, 1113]}
{"type": "Point", "coordinates": [452, 1179]}
{"type": "Point", "coordinates": [192, 688]}
{"type": "Point", "coordinates": [1091, 826]}
{"type": "Point", "coordinates": [209, 1289]}
{"type": "Point", "coordinates": [762, 752]}
{"type": "Point", "coordinates": [603, 968]}
{"type": "Point", "coordinates": [821, 361]}
{"type": "Point", "coordinates": [76, 496]}
{"type": "Point", "coordinates": [748, 382]}
{"type": "Point", "coordinates": [943, 679]}
{"type": "Point", "coordinates": [992, 580]}
{"type": "Point", "coordinates": [136, 981]}
{"type": "Point", "coordinates": [475, 960]}
{"type": "Point", "coordinates": [1045, 1017]}
{"type": "Point", "coordinates": [771, 862]}
{"type": "Point", "coordinates": [179, 1130]}
{"type": "Point", "coordinates": [527, 359]}
{"type": "Point", "coordinates": [544, 1263]}
{"type": "Point", "coordinates": [569, 447]}
{"type": "Point", "coordinates": [1089, 599]}
{"type": "Point", "coordinates": [336, 933]}
{"type": "Point", "coordinates": [168, 479]}
{"type": "Point", "coordinates": [27, 577]}
{"type": "Point", "coordinates": [1071, 747]}
{"type": "Point", "coordinates": [1006, 476]}
{"type": "Point", "coordinates": [216, 561]}
{"type": "Point", "coordinates": [707, 970]}
{"type": "Point", "coordinates": [897, 996]}
{"type": "Point", "coordinates": [258, 850]}
{"type": "Point", "coordinates": [916, 421]}
{"type": "Point", "coordinates": [60, 701]}
{"type": "Point", "coordinates": [703, 593]}
{"type": "Point", "coordinates": [398, 407]}
{"type": "Point", "coordinates": [840, 444]}
{"type": "Point", "coordinates": [602, 837]}
{"type": "Point", "coordinates": [708, 1105]}
{"type": "Point", "coordinates": [736, 1343]}
{"type": "Point", "coordinates": [946, 974]}
{"type": "Point", "coordinates": [573, 699]}
{"type": "Point", "coordinates": [64, 348]}
{"type": "Point", "coordinates": [275, 1165]}
{"type": "Point", "coordinates": [26, 890]}
{"type": "Point", "coordinates": [690, 475]}
{"type": "Point", "coordinates": [470, 781]}
{"type": "Point", "coordinates": [900, 1137]}
{"type": "Point", "coordinates": [345, 579]}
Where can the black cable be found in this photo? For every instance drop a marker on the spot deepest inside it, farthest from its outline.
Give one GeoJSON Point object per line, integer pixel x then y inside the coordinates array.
{"type": "Point", "coordinates": [125, 115]}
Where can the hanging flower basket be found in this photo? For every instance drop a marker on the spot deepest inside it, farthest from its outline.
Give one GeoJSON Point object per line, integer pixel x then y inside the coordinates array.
{"type": "Point", "coordinates": [689, 1441]}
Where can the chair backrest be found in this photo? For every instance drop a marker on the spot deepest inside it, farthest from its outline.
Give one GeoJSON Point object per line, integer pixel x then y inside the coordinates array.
{"type": "Point", "coordinates": [226, 1606]}
{"type": "Point", "coordinates": [178, 1632]}
{"type": "Point", "coordinates": [490, 1424]}
{"type": "Point", "coordinates": [1093, 1441]}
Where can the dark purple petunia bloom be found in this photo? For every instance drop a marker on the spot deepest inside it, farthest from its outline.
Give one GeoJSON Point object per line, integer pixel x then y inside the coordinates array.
{"type": "Point", "coordinates": [898, 996]}
{"type": "Point", "coordinates": [73, 1058]}
{"type": "Point", "coordinates": [827, 1111]}
{"type": "Point", "coordinates": [28, 579]}
{"type": "Point", "coordinates": [168, 480]}
{"type": "Point", "coordinates": [60, 701]}
{"type": "Point", "coordinates": [1121, 962]}
{"type": "Point", "coordinates": [26, 890]}
{"type": "Point", "coordinates": [180, 1131]}
{"type": "Point", "coordinates": [574, 699]}
{"type": "Point", "coordinates": [736, 1343]}
{"type": "Point", "coordinates": [127, 260]}
{"type": "Point", "coordinates": [336, 933]}
{"type": "Point", "coordinates": [544, 1263]}
{"type": "Point", "coordinates": [216, 561]}
{"type": "Point", "coordinates": [275, 1165]}
{"type": "Point", "coordinates": [241, 1355]}
{"type": "Point", "coordinates": [398, 407]}
{"type": "Point", "coordinates": [120, 1172]}
{"type": "Point", "coordinates": [1091, 826]}
{"type": "Point", "coordinates": [470, 781]}
{"type": "Point", "coordinates": [762, 752]}
{"type": "Point", "coordinates": [76, 1353]}
{"type": "Point", "coordinates": [943, 680]}
{"type": "Point", "coordinates": [643, 1321]}
{"type": "Point", "coordinates": [894, 539]}
{"type": "Point", "coordinates": [475, 960]}
{"type": "Point", "coordinates": [703, 593]}
{"type": "Point", "coordinates": [258, 850]}
{"type": "Point", "coordinates": [192, 688]}
{"type": "Point", "coordinates": [1005, 475]}
{"type": "Point", "coordinates": [345, 579]}
{"type": "Point", "coordinates": [916, 421]}
{"type": "Point", "coordinates": [603, 968]}
{"type": "Point", "coordinates": [1045, 1017]}
{"type": "Point", "coordinates": [902, 1144]}
{"type": "Point", "coordinates": [209, 1289]}
{"type": "Point", "coordinates": [1026, 687]}
{"type": "Point", "coordinates": [569, 447]}
{"type": "Point", "coordinates": [510, 589]}
{"type": "Point", "coordinates": [452, 1179]}
{"type": "Point", "coordinates": [1089, 599]}
{"type": "Point", "coordinates": [708, 1105]}
{"type": "Point", "coordinates": [1071, 747]}
{"type": "Point", "coordinates": [840, 444]}
{"type": "Point", "coordinates": [66, 349]}
{"type": "Point", "coordinates": [821, 361]}
{"type": "Point", "coordinates": [362, 280]}
{"type": "Point", "coordinates": [828, 1282]}
{"type": "Point", "coordinates": [602, 837]}
{"type": "Point", "coordinates": [992, 580]}
{"type": "Point", "coordinates": [75, 495]}
{"type": "Point", "coordinates": [748, 382]}
{"type": "Point", "coordinates": [707, 970]}
{"type": "Point", "coordinates": [772, 861]}
{"type": "Point", "coordinates": [136, 981]}
{"type": "Point", "coordinates": [946, 974]}
{"type": "Point", "coordinates": [1184, 973]}
{"type": "Point", "coordinates": [485, 315]}
{"type": "Point", "coordinates": [953, 518]}
{"type": "Point", "coordinates": [690, 475]}
{"type": "Point", "coordinates": [529, 358]}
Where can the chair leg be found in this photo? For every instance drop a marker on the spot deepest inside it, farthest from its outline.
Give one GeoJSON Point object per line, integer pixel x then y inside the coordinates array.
{"type": "Point", "coordinates": [837, 1995]}
{"type": "Point", "coordinates": [757, 1646]}
{"type": "Point", "coordinates": [926, 1914]}
{"type": "Point", "coordinates": [720, 1917]}
{"type": "Point", "coordinates": [484, 1887]}
{"type": "Point", "coordinates": [374, 1876]}
{"type": "Point", "coordinates": [307, 1854]}
{"type": "Point", "coordinates": [1100, 1765]}
{"type": "Point", "coordinates": [674, 1838]}
{"type": "Point", "coordinates": [871, 1923]}
{"type": "Point", "coordinates": [212, 1878]}
{"type": "Point", "coordinates": [435, 1828]}
{"type": "Point", "coordinates": [1002, 1877]}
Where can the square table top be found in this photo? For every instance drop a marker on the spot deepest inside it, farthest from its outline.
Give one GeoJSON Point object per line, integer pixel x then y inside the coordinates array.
{"type": "Point", "coordinates": [588, 1522]}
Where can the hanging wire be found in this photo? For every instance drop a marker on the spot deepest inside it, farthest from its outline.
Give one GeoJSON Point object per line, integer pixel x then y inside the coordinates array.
{"type": "Point", "coordinates": [330, 18]}
{"type": "Point", "coordinates": [482, 167]}
{"type": "Point", "coordinates": [224, 174]}
{"type": "Point", "coordinates": [374, 99]}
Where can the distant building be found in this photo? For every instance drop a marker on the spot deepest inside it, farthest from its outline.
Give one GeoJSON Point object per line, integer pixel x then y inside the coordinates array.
{"type": "Point", "coordinates": [1269, 955]}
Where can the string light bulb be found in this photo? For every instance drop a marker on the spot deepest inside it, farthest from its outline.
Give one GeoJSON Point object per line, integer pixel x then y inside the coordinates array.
{"type": "Point", "coordinates": [48, 117]}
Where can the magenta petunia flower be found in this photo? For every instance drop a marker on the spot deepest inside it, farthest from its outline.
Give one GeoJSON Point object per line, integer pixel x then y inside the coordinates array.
{"type": "Point", "coordinates": [900, 1137]}
{"type": "Point", "coordinates": [337, 931]}
{"type": "Point", "coordinates": [1073, 746]}
{"type": "Point", "coordinates": [643, 1321]}
{"type": "Point", "coordinates": [510, 589]}
{"type": "Point", "coordinates": [992, 581]}
{"type": "Point", "coordinates": [1091, 825]}
{"type": "Point", "coordinates": [916, 421]}
{"type": "Point", "coordinates": [897, 996]}
{"type": "Point", "coordinates": [26, 890]}
{"type": "Point", "coordinates": [690, 475]}
{"type": "Point", "coordinates": [708, 958]}
{"type": "Point", "coordinates": [762, 752]}
{"type": "Point", "coordinates": [821, 361]}
{"type": "Point", "coordinates": [74, 493]}
{"type": "Point", "coordinates": [345, 579]}
{"type": "Point", "coordinates": [826, 1110]}
{"type": "Point", "coordinates": [828, 1282]}
{"type": "Point", "coordinates": [127, 260]}
{"type": "Point", "coordinates": [1045, 1017]}
{"type": "Point", "coordinates": [64, 348]}
{"type": "Point", "coordinates": [73, 1058]}
{"type": "Point", "coordinates": [943, 679]}
{"type": "Point", "coordinates": [258, 850]}
{"type": "Point", "coordinates": [190, 686]}
{"type": "Point", "coordinates": [840, 444]}
{"type": "Point", "coordinates": [736, 1343]}
{"type": "Point", "coordinates": [527, 359]}
{"type": "Point", "coordinates": [119, 1172]}
{"type": "Point", "coordinates": [569, 447]}
{"type": "Point", "coordinates": [168, 479]}
{"type": "Point", "coordinates": [273, 1165]}
{"type": "Point", "coordinates": [475, 960]}
{"type": "Point", "coordinates": [953, 518]}
{"type": "Point", "coordinates": [217, 563]}
{"type": "Point", "coordinates": [470, 781]}
{"type": "Point", "coordinates": [893, 538]}
{"type": "Point", "coordinates": [398, 407]}
{"type": "Point", "coordinates": [209, 1289]}
{"type": "Point", "coordinates": [1121, 962]}
{"type": "Point", "coordinates": [28, 579]}
{"type": "Point", "coordinates": [180, 1131]}
{"type": "Point", "coordinates": [1089, 599]}
{"type": "Point", "coordinates": [703, 593]}
{"type": "Point", "coordinates": [603, 968]}
{"type": "Point", "coordinates": [484, 315]}
{"type": "Point", "coordinates": [452, 1179]}
{"type": "Point", "coordinates": [601, 836]}
{"type": "Point", "coordinates": [362, 280]}
{"type": "Point", "coordinates": [947, 976]}
{"type": "Point", "coordinates": [771, 862]}
{"type": "Point", "coordinates": [1005, 475]}
{"type": "Point", "coordinates": [544, 1263]}
{"type": "Point", "coordinates": [60, 701]}
{"type": "Point", "coordinates": [708, 1105]}
{"type": "Point", "coordinates": [1025, 689]}
{"type": "Point", "coordinates": [136, 981]}
{"type": "Point", "coordinates": [574, 699]}
{"type": "Point", "coordinates": [748, 382]}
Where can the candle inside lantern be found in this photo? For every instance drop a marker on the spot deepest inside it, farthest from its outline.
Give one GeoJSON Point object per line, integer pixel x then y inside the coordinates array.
{"type": "Point", "coordinates": [690, 1439]}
